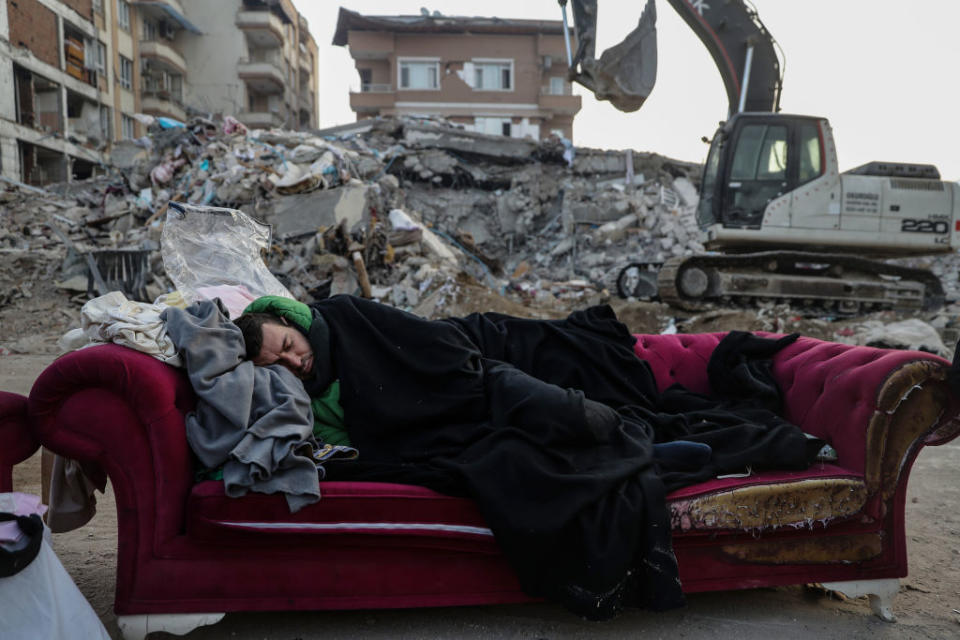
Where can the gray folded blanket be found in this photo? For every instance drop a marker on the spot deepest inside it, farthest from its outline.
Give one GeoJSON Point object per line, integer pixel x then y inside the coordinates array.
{"type": "Point", "coordinates": [255, 421]}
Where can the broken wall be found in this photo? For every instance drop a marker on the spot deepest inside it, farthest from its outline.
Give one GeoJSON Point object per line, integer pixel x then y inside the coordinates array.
{"type": "Point", "coordinates": [34, 26]}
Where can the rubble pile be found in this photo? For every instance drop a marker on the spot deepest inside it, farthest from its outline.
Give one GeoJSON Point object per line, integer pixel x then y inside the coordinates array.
{"type": "Point", "coordinates": [395, 210]}
{"type": "Point", "coordinates": [417, 213]}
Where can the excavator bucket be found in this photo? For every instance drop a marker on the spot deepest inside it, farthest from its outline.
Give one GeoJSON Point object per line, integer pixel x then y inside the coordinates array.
{"type": "Point", "coordinates": [625, 73]}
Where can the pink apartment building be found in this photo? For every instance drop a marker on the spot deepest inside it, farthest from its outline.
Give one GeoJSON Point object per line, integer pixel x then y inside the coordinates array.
{"type": "Point", "coordinates": [492, 75]}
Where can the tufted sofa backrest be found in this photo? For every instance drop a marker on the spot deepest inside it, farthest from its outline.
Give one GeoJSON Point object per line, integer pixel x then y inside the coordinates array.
{"type": "Point", "coordinates": [830, 390]}
{"type": "Point", "coordinates": [679, 358]}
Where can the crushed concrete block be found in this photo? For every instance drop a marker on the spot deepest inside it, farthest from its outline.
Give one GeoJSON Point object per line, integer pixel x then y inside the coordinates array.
{"type": "Point", "coordinates": [687, 192]}
{"type": "Point", "coordinates": [436, 247]}
{"type": "Point", "coordinates": [302, 213]}
{"type": "Point", "coordinates": [500, 147]}
{"type": "Point", "coordinates": [562, 247]}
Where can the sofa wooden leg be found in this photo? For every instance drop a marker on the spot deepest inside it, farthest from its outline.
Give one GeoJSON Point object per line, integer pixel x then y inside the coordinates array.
{"type": "Point", "coordinates": [137, 627]}
{"type": "Point", "coordinates": [879, 592]}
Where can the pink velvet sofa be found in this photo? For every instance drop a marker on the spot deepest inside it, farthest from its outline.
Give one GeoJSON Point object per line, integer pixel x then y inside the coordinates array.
{"type": "Point", "coordinates": [187, 553]}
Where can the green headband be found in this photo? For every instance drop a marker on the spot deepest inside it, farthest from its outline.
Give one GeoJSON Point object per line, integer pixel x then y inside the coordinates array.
{"type": "Point", "coordinates": [293, 310]}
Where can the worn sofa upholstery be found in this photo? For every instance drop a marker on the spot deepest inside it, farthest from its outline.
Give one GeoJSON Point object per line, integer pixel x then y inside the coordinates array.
{"type": "Point", "coordinates": [17, 440]}
{"type": "Point", "coordinates": [185, 548]}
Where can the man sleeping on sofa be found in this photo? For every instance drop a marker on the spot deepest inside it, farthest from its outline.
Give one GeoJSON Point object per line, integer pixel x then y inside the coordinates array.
{"type": "Point", "coordinates": [554, 427]}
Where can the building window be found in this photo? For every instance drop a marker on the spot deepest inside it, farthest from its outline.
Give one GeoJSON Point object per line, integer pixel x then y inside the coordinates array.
{"type": "Point", "coordinates": [123, 14]}
{"type": "Point", "coordinates": [105, 123]}
{"type": "Point", "coordinates": [493, 126]}
{"type": "Point", "coordinates": [98, 6]}
{"type": "Point", "coordinates": [149, 29]}
{"type": "Point", "coordinates": [416, 74]}
{"type": "Point", "coordinates": [366, 79]}
{"type": "Point", "coordinates": [127, 127]}
{"type": "Point", "coordinates": [493, 76]}
{"type": "Point", "coordinates": [95, 56]}
{"type": "Point", "coordinates": [125, 77]}
{"type": "Point", "coordinates": [556, 86]}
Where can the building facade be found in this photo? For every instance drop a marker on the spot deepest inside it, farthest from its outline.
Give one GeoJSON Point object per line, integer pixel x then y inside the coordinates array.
{"type": "Point", "coordinates": [492, 75]}
{"type": "Point", "coordinates": [259, 63]}
{"type": "Point", "coordinates": [73, 74]}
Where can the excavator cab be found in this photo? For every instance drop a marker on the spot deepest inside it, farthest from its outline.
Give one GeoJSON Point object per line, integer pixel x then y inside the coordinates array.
{"type": "Point", "coordinates": [754, 159]}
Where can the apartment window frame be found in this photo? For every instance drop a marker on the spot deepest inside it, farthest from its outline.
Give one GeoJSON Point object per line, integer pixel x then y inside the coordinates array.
{"type": "Point", "coordinates": [123, 15]}
{"type": "Point", "coordinates": [128, 127]}
{"type": "Point", "coordinates": [401, 62]}
{"type": "Point", "coordinates": [366, 77]}
{"type": "Point", "coordinates": [494, 125]}
{"type": "Point", "coordinates": [125, 72]}
{"type": "Point", "coordinates": [504, 64]}
{"type": "Point", "coordinates": [98, 6]}
{"type": "Point", "coordinates": [106, 121]}
{"type": "Point", "coordinates": [97, 52]}
{"type": "Point", "coordinates": [557, 85]}
{"type": "Point", "coordinates": [150, 29]}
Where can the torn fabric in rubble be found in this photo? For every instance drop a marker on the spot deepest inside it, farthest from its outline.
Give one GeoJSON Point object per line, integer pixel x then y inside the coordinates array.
{"type": "Point", "coordinates": [256, 421]}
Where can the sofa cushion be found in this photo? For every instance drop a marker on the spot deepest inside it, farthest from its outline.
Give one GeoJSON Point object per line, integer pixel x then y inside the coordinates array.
{"type": "Point", "coordinates": [374, 511]}
{"type": "Point", "coordinates": [771, 499]}
{"type": "Point", "coordinates": [383, 513]}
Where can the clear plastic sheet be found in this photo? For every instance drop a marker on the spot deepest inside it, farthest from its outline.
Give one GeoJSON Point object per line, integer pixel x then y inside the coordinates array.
{"type": "Point", "coordinates": [210, 250]}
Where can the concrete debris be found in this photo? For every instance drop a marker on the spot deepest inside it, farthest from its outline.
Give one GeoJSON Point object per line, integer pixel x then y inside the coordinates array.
{"type": "Point", "coordinates": [413, 212]}
{"type": "Point", "coordinates": [913, 334]}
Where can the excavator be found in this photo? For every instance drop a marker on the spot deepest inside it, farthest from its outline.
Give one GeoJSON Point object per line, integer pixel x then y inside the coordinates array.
{"type": "Point", "coordinates": [781, 222]}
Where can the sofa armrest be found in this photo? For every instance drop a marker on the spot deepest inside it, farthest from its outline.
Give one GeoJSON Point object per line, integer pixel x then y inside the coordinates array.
{"type": "Point", "coordinates": [877, 407]}
{"type": "Point", "coordinates": [123, 410]}
{"type": "Point", "coordinates": [17, 440]}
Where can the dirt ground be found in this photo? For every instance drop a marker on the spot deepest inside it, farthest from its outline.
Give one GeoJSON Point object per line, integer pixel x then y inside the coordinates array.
{"type": "Point", "coordinates": [928, 605]}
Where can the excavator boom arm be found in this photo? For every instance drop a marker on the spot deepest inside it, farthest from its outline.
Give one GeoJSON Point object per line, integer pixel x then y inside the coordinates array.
{"type": "Point", "coordinates": [732, 33]}
{"type": "Point", "coordinates": [742, 48]}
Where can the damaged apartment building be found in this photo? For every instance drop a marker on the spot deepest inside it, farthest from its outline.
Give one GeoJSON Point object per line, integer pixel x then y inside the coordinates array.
{"type": "Point", "coordinates": [490, 75]}
{"type": "Point", "coordinates": [75, 75]}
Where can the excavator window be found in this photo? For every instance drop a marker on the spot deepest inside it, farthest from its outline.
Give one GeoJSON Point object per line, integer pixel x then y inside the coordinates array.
{"type": "Point", "coordinates": [708, 187]}
{"type": "Point", "coordinates": [758, 173]}
{"type": "Point", "coordinates": [809, 142]}
{"type": "Point", "coordinates": [761, 153]}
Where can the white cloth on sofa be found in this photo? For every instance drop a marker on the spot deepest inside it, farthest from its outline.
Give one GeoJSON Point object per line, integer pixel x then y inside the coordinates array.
{"type": "Point", "coordinates": [113, 318]}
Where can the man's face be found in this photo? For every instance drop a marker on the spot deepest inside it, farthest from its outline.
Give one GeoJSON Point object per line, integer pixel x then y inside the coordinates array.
{"type": "Point", "coordinates": [283, 344]}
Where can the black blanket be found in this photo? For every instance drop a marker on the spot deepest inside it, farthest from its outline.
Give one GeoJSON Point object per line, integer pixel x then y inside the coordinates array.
{"type": "Point", "coordinates": [549, 426]}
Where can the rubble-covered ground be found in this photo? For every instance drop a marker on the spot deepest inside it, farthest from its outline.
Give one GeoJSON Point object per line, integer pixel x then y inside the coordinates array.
{"type": "Point", "coordinates": [418, 214]}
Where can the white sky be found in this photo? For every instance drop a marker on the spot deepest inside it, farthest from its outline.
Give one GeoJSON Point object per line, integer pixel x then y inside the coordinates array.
{"type": "Point", "coordinates": [886, 73]}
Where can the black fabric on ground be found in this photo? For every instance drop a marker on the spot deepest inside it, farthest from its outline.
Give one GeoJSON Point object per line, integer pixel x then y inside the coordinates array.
{"type": "Point", "coordinates": [548, 425]}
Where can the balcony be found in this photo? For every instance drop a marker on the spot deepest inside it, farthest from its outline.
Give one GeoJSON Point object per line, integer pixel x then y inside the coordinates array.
{"type": "Point", "coordinates": [162, 103]}
{"type": "Point", "coordinates": [372, 98]}
{"type": "Point", "coordinates": [169, 10]}
{"type": "Point", "coordinates": [161, 51]}
{"type": "Point", "coordinates": [559, 101]}
{"type": "Point", "coordinates": [260, 119]}
{"type": "Point", "coordinates": [306, 100]}
{"type": "Point", "coordinates": [371, 45]}
{"type": "Point", "coordinates": [263, 76]}
{"type": "Point", "coordinates": [161, 6]}
{"type": "Point", "coordinates": [263, 28]}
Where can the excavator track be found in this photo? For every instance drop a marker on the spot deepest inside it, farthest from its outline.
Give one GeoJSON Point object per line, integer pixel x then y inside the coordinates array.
{"type": "Point", "coordinates": [820, 283]}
